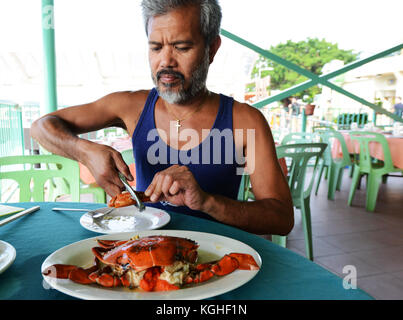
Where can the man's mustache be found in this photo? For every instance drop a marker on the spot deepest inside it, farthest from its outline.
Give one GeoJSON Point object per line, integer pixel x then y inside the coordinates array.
{"type": "Point", "coordinates": [171, 73]}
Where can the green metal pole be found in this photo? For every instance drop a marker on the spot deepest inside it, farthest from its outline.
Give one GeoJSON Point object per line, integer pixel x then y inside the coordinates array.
{"type": "Point", "coordinates": [49, 56]}
{"type": "Point", "coordinates": [314, 79]}
{"type": "Point", "coordinates": [303, 120]}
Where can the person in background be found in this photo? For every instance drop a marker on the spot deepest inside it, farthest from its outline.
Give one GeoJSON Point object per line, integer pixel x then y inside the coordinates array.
{"type": "Point", "coordinates": [398, 107]}
{"type": "Point", "coordinates": [286, 103]}
{"type": "Point", "coordinates": [295, 107]}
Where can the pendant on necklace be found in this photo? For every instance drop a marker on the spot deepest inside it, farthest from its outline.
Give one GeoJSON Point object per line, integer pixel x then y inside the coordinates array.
{"type": "Point", "coordinates": [178, 125]}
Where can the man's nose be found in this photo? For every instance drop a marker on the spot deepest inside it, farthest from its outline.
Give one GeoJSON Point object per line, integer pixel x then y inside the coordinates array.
{"type": "Point", "coordinates": [168, 59]}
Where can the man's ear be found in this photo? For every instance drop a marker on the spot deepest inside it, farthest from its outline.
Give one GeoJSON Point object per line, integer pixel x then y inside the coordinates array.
{"type": "Point", "coordinates": [214, 46]}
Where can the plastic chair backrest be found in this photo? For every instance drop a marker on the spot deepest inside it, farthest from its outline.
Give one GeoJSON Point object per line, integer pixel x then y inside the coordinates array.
{"type": "Point", "coordinates": [276, 135]}
{"type": "Point", "coordinates": [128, 156]}
{"type": "Point", "coordinates": [322, 128]}
{"type": "Point", "coordinates": [326, 137]}
{"type": "Point", "coordinates": [26, 169]}
{"type": "Point", "coordinates": [300, 154]}
{"type": "Point", "coordinates": [300, 137]}
{"type": "Point", "coordinates": [364, 138]}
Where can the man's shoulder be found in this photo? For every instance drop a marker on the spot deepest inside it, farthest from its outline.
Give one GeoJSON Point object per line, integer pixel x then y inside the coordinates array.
{"type": "Point", "coordinates": [243, 107]}
{"type": "Point", "coordinates": [246, 115]}
{"type": "Point", "coordinates": [128, 97]}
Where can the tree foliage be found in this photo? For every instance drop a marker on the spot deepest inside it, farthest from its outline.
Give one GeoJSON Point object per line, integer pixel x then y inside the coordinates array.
{"type": "Point", "coordinates": [311, 54]}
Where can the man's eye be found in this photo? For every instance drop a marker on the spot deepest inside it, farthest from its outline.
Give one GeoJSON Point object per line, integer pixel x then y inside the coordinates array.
{"type": "Point", "coordinates": [155, 48]}
{"type": "Point", "coordinates": [183, 48]}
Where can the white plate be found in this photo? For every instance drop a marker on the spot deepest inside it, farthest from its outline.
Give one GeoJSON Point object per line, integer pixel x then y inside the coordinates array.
{"type": "Point", "coordinates": [7, 255]}
{"type": "Point", "coordinates": [127, 219]}
{"type": "Point", "coordinates": [211, 246]}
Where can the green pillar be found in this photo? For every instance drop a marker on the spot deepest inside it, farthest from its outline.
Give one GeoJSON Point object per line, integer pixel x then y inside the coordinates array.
{"type": "Point", "coordinates": [49, 58]}
{"type": "Point", "coordinates": [374, 118]}
{"type": "Point", "coordinates": [303, 129]}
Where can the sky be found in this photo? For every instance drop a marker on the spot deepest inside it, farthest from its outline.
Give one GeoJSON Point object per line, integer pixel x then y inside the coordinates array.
{"type": "Point", "coordinates": [104, 26]}
{"type": "Point", "coordinates": [366, 26]}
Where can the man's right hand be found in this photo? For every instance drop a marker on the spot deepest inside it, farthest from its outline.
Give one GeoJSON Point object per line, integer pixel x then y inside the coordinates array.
{"type": "Point", "coordinates": [104, 163]}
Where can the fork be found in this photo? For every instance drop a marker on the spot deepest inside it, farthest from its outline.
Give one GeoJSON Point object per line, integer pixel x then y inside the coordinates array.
{"type": "Point", "coordinates": [93, 213]}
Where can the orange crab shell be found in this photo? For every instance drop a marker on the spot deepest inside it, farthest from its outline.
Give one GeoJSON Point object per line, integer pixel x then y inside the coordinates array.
{"type": "Point", "coordinates": [149, 252]}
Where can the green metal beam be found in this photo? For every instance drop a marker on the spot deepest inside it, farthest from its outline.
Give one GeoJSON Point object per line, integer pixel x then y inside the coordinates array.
{"type": "Point", "coordinates": [359, 63]}
{"type": "Point", "coordinates": [315, 79]}
{"type": "Point", "coordinates": [49, 57]}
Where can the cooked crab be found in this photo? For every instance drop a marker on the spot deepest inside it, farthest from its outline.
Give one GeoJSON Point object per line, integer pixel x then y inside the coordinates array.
{"type": "Point", "coordinates": [154, 263]}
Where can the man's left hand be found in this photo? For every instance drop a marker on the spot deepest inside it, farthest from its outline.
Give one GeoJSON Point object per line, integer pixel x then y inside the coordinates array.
{"type": "Point", "coordinates": [178, 186]}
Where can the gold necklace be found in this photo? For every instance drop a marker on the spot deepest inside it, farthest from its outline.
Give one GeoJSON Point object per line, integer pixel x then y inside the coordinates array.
{"type": "Point", "coordinates": [178, 121]}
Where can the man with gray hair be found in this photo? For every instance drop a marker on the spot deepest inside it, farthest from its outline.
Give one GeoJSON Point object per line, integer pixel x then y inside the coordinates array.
{"type": "Point", "coordinates": [184, 117]}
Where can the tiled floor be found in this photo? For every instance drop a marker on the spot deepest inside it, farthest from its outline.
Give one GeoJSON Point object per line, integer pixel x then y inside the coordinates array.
{"type": "Point", "coordinates": [370, 241]}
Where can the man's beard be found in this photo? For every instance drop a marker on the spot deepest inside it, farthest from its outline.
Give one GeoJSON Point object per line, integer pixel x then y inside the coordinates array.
{"type": "Point", "coordinates": [182, 95]}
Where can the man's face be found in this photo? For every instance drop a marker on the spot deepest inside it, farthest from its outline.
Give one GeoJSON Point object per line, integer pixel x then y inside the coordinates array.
{"type": "Point", "coordinates": [179, 58]}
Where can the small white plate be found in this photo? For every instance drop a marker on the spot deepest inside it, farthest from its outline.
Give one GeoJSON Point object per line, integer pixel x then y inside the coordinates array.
{"type": "Point", "coordinates": [127, 219]}
{"type": "Point", "coordinates": [211, 247]}
{"type": "Point", "coordinates": [7, 255]}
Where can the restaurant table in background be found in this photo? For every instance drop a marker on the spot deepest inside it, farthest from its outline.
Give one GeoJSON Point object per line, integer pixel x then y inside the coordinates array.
{"type": "Point", "coordinates": [395, 145]}
{"type": "Point", "coordinates": [284, 274]}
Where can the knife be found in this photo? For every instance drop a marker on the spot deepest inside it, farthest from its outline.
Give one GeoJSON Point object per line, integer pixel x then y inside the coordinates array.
{"type": "Point", "coordinates": [140, 204]}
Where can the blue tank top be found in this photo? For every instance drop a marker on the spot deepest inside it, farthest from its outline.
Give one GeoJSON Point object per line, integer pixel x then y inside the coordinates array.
{"type": "Point", "coordinates": [212, 162]}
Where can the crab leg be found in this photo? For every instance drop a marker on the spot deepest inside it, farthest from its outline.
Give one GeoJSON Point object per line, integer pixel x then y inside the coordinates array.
{"type": "Point", "coordinates": [106, 278]}
{"type": "Point", "coordinates": [227, 264]}
{"type": "Point", "coordinates": [74, 273]}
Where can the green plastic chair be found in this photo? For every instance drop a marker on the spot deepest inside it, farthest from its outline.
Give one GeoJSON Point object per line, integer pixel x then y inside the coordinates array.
{"type": "Point", "coordinates": [98, 193]}
{"type": "Point", "coordinates": [34, 169]}
{"type": "Point", "coordinates": [276, 135]}
{"type": "Point", "coordinates": [335, 166]}
{"type": "Point", "coordinates": [322, 128]}
{"type": "Point", "coordinates": [245, 190]}
{"type": "Point", "coordinates": [59, 186]}
{"type": "Point", "coordinates": [128, 156]}
{"type": "Point", "coordinates": [300, 186]}
{"type": "Point", "coordinates": [374, 170]}
{"type": "Point", "coordinates": [299, 137]}
{"type": "Point", "coordinates": [300, 155]}
{"type": "Point", "coordinates": [324, 163]}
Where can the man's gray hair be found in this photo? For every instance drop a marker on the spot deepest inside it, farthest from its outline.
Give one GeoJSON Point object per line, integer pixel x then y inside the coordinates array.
{"type": "Point", "coordinates": [210, 14]}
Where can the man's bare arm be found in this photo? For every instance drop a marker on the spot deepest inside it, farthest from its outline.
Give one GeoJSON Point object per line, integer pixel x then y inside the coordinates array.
{"type": "Point", "coordinates": [272, 212]}
{"type": "Point", "coordinates": [58, 133]}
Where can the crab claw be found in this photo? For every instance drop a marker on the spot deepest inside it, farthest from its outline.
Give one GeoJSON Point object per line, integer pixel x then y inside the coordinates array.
{"type": "Point", "coordinates": [246, 261]}
{"type": "Point", "coordinates": [80, 275]}
{"type": "Point", "coordinates": [66, 271]}
{"type": "Point", "coordinates": [151, 281]}
{"type": "Point", "coordinates": [227, 264]}
{"type": "Point", "coordinates": [59, 271]}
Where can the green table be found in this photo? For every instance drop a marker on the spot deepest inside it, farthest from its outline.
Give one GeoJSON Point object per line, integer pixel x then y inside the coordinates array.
{"type": "Point", "coordinates": [284, 274]}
